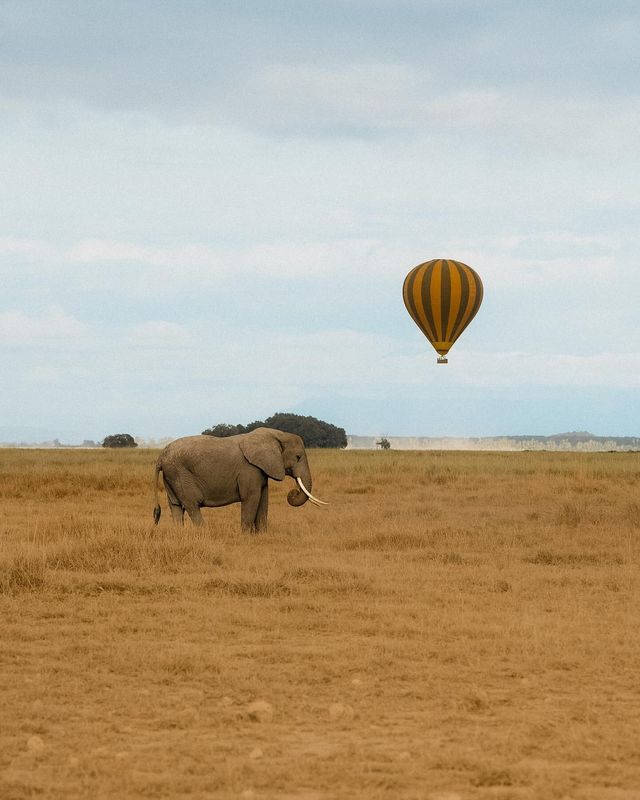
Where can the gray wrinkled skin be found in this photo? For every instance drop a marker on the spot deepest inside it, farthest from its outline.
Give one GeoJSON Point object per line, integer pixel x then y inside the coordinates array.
{"type": "Point", "coordinates": [209, 471]}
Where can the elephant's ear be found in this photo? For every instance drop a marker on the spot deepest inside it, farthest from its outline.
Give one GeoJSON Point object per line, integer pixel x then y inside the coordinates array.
{"type": "Point", "coordinates": [264, 452]}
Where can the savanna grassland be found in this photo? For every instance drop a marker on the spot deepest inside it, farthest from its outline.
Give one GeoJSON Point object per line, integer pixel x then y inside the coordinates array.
{"type": "Point", "coordinates": [453, 625]}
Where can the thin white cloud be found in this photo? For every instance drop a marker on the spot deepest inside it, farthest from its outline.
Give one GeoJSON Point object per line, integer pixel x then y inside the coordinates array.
{"type": "Point", "coordinates": [104, 251]}
{"type": "Point", "coordinates": [254, 372]}
{"type": "Point", "coordinates": [52, 326]}
{"type": "Point", "coordinates": [359, 95]}
{"type": "Point", "coordinates": [174, 209]}
{"type": "Point", "coordinates": [612, 370]}
{"type": "Point", "coordinates": [546, 258]}
{"type": "Point", "coordinates": [378, 97]}
{"type": "Point", "coordinates": [549, 258]}
{"type": "Point", "coordinates": [43, 375]}
{"type": "Point", "coordinates": [203, 263]}
{"type": "Point", "coordinates": [92, 251]}
{"type": "Point", "coordinates": [159, 334]}
{"type": "Point", "coordinates": [338, 360]}
{"type": "Point", "coordinates": [367, 97]}
{"type": "Point", "coordinates": [17, 249]}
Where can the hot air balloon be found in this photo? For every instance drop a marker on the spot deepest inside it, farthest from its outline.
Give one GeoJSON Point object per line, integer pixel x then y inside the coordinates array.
{"type": "Point", "coordinates": [442, 296]}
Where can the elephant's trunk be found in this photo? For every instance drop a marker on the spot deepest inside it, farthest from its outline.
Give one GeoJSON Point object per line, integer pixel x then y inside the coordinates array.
{"type": "Point", "coordinates": [297, 497]}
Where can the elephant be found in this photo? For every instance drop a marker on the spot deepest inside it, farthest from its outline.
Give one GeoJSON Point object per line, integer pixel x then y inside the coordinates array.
{"type": "Point", "coordinates": [211, 471]}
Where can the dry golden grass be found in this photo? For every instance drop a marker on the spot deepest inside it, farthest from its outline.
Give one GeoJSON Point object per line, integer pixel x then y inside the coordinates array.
{"type": "Point", "coordinates": [455, 625]}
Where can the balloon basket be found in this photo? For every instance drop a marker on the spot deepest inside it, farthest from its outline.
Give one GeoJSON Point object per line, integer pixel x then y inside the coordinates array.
{"type": "Point", "coordinates": [443, 360]}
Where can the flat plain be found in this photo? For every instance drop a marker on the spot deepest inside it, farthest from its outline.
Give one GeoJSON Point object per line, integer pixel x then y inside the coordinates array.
{"type": "Point", "coordinates": [453, 626]}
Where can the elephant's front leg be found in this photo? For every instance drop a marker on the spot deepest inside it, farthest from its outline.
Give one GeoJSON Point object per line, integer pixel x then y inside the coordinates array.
{"type": "Point", "coordinates": [249, 509]}
{"type": "Point", "coordinates": [254, 511]}
{"type": "Point", "coordinates": [251, 486]}
{"type": "Point", "coordinates": [263, 509]}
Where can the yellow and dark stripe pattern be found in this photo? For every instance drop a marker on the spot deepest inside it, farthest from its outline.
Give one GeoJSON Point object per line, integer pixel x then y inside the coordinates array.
{"type": "Point", "coordinates": [442, 296]}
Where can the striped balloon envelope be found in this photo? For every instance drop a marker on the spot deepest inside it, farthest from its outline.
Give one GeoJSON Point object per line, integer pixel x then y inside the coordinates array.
{"type": "Point", "coordinates": [442, 296]}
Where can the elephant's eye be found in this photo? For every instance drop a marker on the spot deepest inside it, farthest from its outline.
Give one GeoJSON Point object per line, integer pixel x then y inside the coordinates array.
{"type": "Point", "coordinates": [298, 458]}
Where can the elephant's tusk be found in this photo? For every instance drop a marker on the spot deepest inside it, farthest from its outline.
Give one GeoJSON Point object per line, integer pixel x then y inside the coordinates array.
{"type": "Point", "coordinates": [309, 495]}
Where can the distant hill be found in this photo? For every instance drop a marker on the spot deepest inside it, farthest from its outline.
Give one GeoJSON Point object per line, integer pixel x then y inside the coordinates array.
{"type": "Point", "coordinates": [574, 436]}
{"type": "Point", "coordinates": [580, 441]}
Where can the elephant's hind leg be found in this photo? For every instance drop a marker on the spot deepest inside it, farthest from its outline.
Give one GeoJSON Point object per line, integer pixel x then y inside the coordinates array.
{"type": "Point", "coordinates": [177, 513]}
{"type": "Point", "coordinates": [193, 510]}
{"type": "Point", "coordinates": [175, 506]}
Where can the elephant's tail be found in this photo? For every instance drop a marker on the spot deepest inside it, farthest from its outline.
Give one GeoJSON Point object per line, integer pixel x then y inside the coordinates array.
{"type": "Point", "coordinates": [157, 510]}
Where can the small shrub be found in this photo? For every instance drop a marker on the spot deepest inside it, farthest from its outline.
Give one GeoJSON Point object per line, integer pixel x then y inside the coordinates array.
{"type": "Point", "coordinates": [541, 557]}
{"type": "Point", "coordinates": [241, 588]}
{"type": "Point", "coordinates": [633, 514]}
{"type": "Point", "coordinates": [386, 541]}
{"type": "Point", "coordinates": [452, 558]}
{"type": "Point", "coordinates": [315, 573]}
{"type": "Point", "coordinates": [493, 777]}
{"type": "Point", "coordinates": [444, 477]}
{"type": "Point", "coordinates": [569, 515]}
{"type": "Point", "coordinates": [327, 580]}
{"type": "Point", "coordinates": [573, 559]}
{"type": "Point", "coordinates": [108, 552]}
{"type": "Point", "coordinates": [24, 573]}
{"type": "Point", "coordinates": [182, 664]}
{"type": "Point", "coordinates": [125, 586]}
{"type": "Point", "coordinates": [475, 700]}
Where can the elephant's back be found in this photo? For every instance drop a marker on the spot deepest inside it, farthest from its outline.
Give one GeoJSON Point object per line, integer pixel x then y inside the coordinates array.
{"type": "Point", "coordinates": [193, 451]}
{"type": "Point", "coordinates": [189, 445]}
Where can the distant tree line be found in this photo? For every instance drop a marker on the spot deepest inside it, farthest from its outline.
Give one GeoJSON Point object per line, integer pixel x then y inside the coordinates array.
{"type": "Point", "coordinates": [314, 432]}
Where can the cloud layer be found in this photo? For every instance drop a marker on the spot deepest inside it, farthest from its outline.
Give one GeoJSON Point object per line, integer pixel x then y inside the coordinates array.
{"type": "Point", "coordinates": [208, 212]}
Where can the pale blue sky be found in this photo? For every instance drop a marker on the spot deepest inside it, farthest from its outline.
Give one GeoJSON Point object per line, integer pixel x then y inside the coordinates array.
{"type": "Point", "coordinates": [208, 210]}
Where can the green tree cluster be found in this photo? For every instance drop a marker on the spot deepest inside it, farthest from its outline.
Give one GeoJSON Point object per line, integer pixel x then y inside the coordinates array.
{"type": "Point", "coordinates": [314, 432]}
{"type": "Point", "coordinates": [119, 440]}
